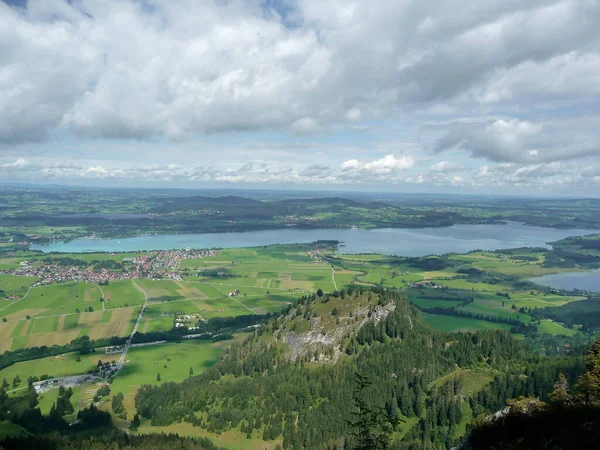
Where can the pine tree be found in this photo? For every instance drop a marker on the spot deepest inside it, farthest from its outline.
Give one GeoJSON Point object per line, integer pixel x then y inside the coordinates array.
{"type": "Point", "coordinates": [135, 423]}
{"type": "Point", "coordinates": [191, 371]}
{"type": "Point", "coordinates": [158, 377]}
{"type": "Point", "coordinates": [588, 385]}
{"type": "Point", "coordinates": [560, 396]}
{"type": "Point", "coordinates": [587, 388]}
{"type": "Point", "coordinates": [372, 427]}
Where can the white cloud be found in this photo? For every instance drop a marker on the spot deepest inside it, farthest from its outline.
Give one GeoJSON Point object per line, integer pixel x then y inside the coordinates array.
{"type": "Point", "coordinates": [446, 166]}
{"type": "Point", "coordinates": [353, 114]}
{"type": "Point", "coordinates": [387, 164]}
{"type": "Point", "coordinates": [118, 69]}
{"type": "Point", "coordinates": [513, 140]}
{"type": "Point", "coordinates": [305, 126]}
{"type": "Point", "coordinates": [503, 81]}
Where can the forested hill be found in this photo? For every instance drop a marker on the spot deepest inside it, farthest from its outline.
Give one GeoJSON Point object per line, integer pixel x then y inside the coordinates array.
{"type": "Point", "coordinates": [294, 381]}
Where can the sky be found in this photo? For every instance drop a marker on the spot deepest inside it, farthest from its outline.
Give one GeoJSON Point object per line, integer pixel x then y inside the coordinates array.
{"type": "Point", "coordinates": [448, 96]}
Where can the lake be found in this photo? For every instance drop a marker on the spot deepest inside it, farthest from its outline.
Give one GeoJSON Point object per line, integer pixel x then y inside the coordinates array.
{"type": "Point", "coordinates": [389, 241]}
{"type": "Point", "coordinates": [589, 281]}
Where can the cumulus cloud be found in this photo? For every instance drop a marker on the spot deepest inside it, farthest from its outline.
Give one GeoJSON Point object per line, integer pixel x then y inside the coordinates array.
{"type": "Point", "coordinates": [385, 165]}
{"type": "Point", "coordinates": [507, 82]}
{"type": "Point", "coordinates": [123, 69]}
{"type": "Point", "coordinates": [305, 126]}
{"type": "Point", "coordinates": [565, 78]}
{"type": "Point", "coordinates": [516, 140]}
{"type": "Point", "coordinates": [446, 166]}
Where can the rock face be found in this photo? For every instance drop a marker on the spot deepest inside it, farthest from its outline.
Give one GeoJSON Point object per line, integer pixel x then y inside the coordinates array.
{"type": "Point", "coordinates": [322, 341]}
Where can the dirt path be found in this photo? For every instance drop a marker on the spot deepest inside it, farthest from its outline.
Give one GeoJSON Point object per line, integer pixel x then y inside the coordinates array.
{"type": "Point", "coordinates": [333, 278]}
{"type": "Point", "coordinates": [16, 301]}
{"type": "Point", "coordinates": [102, 292]}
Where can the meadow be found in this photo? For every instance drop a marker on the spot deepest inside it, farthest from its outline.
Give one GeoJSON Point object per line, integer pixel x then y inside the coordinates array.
{"type": "Point", "coordinates": [266, 279]}
{"type": "Point", "coordinates": [171, 360]}
{"type": "Point", "coordinates": [451, 323]}
{"type": "Point", "coordinates": [59, 313]}
{"type": "Point", "coordinates": [53, 366]}
{"type": "Point", "coordinates": [482, 284]}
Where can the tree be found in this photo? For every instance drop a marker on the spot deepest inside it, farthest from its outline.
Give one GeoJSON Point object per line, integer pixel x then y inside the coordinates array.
{"type": "Point", "coordinates": [117, 403]}
{"type": "Point", "coordinates": [32, 394]}
{"type": "Point", "coordinates": [135, 423]}
{"type": "Point", "coordinates": [16, 381]}
{"type": "Point", "coordinates": [320, 292]}
{"type": "Point", "coordinates": [587, 388]}
{"type": "Point", "coordinates": [5, 384]}
{"type": "Point", "coordinates": [158, 377]}
{"type": "Point", "coordinates": [191, 371]}
{"type": "Point", "coordinates": [560, 396]}
{"type": "Point", "coordinates": [372, 426]}
{"type": "Point", "coordinates": [4, 319]}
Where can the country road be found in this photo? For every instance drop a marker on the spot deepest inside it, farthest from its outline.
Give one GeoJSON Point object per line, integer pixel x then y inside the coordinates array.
{"type": "Point", "coordinates": [123, 357]}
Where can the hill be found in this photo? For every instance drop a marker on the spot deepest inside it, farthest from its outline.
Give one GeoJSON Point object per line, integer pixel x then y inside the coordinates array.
{"type": "Point", "coordinates": [311, 374]}
{"type": "Point", "coordinates": [293, 383]}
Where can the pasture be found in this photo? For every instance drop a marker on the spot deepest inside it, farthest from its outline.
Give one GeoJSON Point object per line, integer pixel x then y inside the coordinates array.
{"type": "Point", "coordinates": [120, 293]}
{"type": "Point", "coordinates": [452, 323]}
{"type": "Point", "coordinates": [275, 267]}
{"type": "Point", "coordinates": [61, 329]}
{"type": "Point", "coordinates": [53, 366]}
{"type": "Point", "coordinates": [171, 360]}
{"type": "Point", "coordinates": [209, 299]}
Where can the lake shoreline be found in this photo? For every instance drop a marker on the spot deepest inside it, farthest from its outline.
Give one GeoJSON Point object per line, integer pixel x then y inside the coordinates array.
{"type": "Point", "coordinates": [410, 242]}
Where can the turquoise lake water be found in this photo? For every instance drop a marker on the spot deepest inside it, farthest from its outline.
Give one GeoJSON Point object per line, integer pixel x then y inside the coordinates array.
{"type": "Point", "coordinates": [389, 241]}
{"type": "Point", "coordinates": [589, 281]}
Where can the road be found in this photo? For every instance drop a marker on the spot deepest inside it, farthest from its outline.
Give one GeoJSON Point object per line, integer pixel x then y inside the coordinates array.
{"type": "Point", "coordinates": [333, 278]}
{"type": "Point", "coordinates": [123, 357]}
{"type": "Point", "coordinates": [16, 301]}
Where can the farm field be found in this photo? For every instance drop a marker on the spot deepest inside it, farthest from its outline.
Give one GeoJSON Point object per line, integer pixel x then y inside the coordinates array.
{"type": "Point", "coordinates": [266, 279]}
{"type": "Point", "coordinates": [210, 299]}
{"type": "Point", "coordinates": [62, 329]}
{"type": "Point", "coordinates": [171, 360]}
{"type": "Point", "coordinates": [54, 366]}
{"type": "Point", "coordinates": [120, 293]}
{"type": "Point", "coordinates": [451, 323]}
{"type": "Point", "coordinates": [549, 327]}
{"type": "Point", "coordinates": [276, 267]}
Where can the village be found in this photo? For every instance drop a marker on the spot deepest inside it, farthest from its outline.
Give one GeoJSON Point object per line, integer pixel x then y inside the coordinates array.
{"type": "Point", "coordinates": [160, 264]}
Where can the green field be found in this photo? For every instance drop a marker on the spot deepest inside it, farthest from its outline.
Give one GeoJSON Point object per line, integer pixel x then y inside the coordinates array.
{"type": "Point", "coordinates": [451, 323]}
{"type": "Point", "coordinates": [54, 366]}
{"type": "Point", "coordinates": [268, 279]}
{"type": "Point", "coordinates": [549, 327]}
{"type": "Point", "coordinates": [121, 293]}
{"type": "Point", "coordinates": [145, 363]}
{"type": "Point", "coordinates": [61, 329]}
{"type": "Point", "coordinates": [9, 429]}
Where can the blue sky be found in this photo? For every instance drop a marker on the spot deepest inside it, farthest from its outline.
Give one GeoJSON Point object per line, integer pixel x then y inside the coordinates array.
{"type": "Point", "coordinates": [407, 96]}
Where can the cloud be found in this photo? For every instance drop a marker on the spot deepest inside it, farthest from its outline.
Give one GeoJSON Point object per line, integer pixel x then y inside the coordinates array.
{"type": "Point", "coordinates": [305, 126]}
{"type": "Point", "coordinates": [562, 79]}
{"type": "Point", "coordinates": [513, 140]}
{"type": "Point", "coordinates": [122, 69]}
{"type": "Point", "coordinates": [446, 167]}
{"type": "Point", "coordinates": [353, 114]}
{"type": "Point", "coordinates": [387, 164]}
